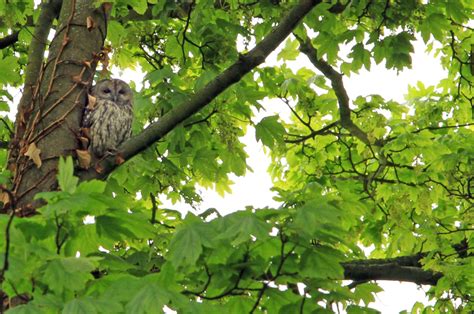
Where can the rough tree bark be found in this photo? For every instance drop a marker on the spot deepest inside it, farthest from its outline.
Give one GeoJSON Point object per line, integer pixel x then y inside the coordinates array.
{"type": "Point", "coordinates": [50, 110]}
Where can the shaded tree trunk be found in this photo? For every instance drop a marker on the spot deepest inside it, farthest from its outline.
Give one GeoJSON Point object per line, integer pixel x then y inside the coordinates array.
{"type": "Point", "coordinates": [51, 107]}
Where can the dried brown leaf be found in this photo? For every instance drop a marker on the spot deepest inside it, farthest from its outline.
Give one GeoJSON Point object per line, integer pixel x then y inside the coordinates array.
{"type": "Point", "coordinates": [107, 6]}
{"type": "Point", "coordinates": [91, 100]}
{"type": "Point", "coordinates": [84, 158]}
{"type": "Point", "coordinates": [90, 23]}
{"type": "Point", "coordinates": [84, 142]}
{"type": "Point", "coordinates": [99, 168]}
{"type": "Point", "coordinates": [86, 132]}
{"type": "Point", "coordinates": [77, 78]}
{"type": "Point", "coordinates": [33, 153]}
{"type": "Point", "coordinates": [65, 40]}
{"type": "Point", "coordinates": [4, 198]}
{"type": "Point", "coordinates": [119, 159]}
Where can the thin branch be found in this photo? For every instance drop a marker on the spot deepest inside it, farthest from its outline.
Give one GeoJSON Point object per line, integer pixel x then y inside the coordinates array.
{"type": "Point", "coordinates": [12, 206]}
{"type": "Point", "coordinates": [7, 126]}
{"type": "Point", "coordinates": [338, 86]}
{"type": "Point", "coordinates": [59, 242]}
{"type": "Point", "coordinates": [154, 209]}
{"type": "Point", "coordinates": [186, 27]}
{"type": "Point", "coordinates": [324, 130]}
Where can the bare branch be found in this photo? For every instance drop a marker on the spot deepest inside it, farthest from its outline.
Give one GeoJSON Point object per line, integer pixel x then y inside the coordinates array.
{"type": "Point", "coordinates": [338, 86]}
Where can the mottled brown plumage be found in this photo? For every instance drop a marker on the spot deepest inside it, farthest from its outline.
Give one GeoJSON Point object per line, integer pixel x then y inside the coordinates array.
{"type": "Point", "coordinates": [109, 119]}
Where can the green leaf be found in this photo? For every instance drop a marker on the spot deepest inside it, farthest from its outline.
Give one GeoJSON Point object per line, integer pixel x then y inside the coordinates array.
{"type": "Point", "coordinates": [66, 179]}
{"type": "Point", "coordinates": [9, 70]}
{"type": "Point", "coordinates": [290, 51]}
{"type": "Point", "coordinates": [269, 131]}
{"type": "Point", "coordinates": [28, 308]}
{"type": "Point", "coordinates": [322, 262]}
{"type": "Point", "coordinates": [186, 245]}
{"type": "Point", "coordinates": [316, 212]}
{"type": "Point", "coordinates": [140, 6]}
{"type": "Point", "coordinates": [69, 273]}
{"type": "Point", "coordinates": [366, 292]}
{"type": "Point", "coordinates": [157, 76]}
{"type": "Point", "coordinates": [149, 299]}
{"type": "Point", "coordinates": [435, 24]}
{"type": "Point", "coordinates": [93, 186]}
{"type": "Point", "coordinates": [78, 306]}
{"type": "Point", "coordinates": [355, 309]}
{"type": "Point", "coordinates": [242, 226]}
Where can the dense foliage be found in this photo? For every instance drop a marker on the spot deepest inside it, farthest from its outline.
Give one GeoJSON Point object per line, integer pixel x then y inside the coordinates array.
{"type": "Point", "coordinates": [368, 171]}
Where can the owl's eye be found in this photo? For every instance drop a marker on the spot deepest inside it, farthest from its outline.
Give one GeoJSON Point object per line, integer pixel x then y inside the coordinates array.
{"type": "Point", "coordinates": [121, 91]}
{"type": "Point", "coordinates": [107, 90]}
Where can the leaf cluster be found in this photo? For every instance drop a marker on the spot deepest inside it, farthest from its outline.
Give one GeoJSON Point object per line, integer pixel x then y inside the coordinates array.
{"type": "Point", "coordinates": [402, 186]}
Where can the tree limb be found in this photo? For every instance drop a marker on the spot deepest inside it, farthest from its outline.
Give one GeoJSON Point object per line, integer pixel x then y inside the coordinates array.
{"type": "Point", "coordinates": [201, 98]}
{"type": "Point", "coordinates": [338, 86]}
{"type": "Point", "coordinates": [9, 40]}
{"type": "Point", "coordinates": [404, 268]}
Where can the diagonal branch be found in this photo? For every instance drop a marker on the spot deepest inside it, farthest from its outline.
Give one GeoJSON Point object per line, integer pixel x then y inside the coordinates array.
{"type": "Point", "coordinates": [338, 86]}
{"type": "Point", "coordinates": [201, 98]}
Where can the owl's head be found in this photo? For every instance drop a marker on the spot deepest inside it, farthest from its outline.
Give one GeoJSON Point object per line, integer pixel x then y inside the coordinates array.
{"type": "Point", "coordinates": [114, 90]}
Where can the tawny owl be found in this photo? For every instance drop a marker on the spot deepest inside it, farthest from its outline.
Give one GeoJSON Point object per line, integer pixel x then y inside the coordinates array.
{"type": "Point", "coordinates": [109, 115]}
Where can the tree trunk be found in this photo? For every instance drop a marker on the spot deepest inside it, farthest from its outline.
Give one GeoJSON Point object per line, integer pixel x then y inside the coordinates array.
{"type": "Point", "coordinates": [48, 121]}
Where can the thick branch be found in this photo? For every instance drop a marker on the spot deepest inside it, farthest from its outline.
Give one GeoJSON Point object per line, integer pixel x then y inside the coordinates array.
{"type": "Point", "coordinates": [338, 86]}
{"type": "Point", "coordinates": [204, 96]}
{"type": "Point", "coordinates": [404, 268]}
{"type": "Point", "coordinates": [9, 40]}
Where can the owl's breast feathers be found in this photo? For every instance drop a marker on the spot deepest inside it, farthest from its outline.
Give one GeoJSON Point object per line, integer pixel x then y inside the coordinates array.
{"type": "Point", "coordinates": [110, 125]}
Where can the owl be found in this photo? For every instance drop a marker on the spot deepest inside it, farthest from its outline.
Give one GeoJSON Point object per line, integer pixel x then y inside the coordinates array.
{"type": "Point", "coordinates": [108, 116]}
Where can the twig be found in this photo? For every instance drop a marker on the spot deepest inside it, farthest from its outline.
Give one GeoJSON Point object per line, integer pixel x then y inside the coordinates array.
{"type": "Point", "coordinates": [7, 126]}
{"type": "Point", "coordinates": [12, 206]}
{"type": "Point", "coordinates": [338, 86]}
